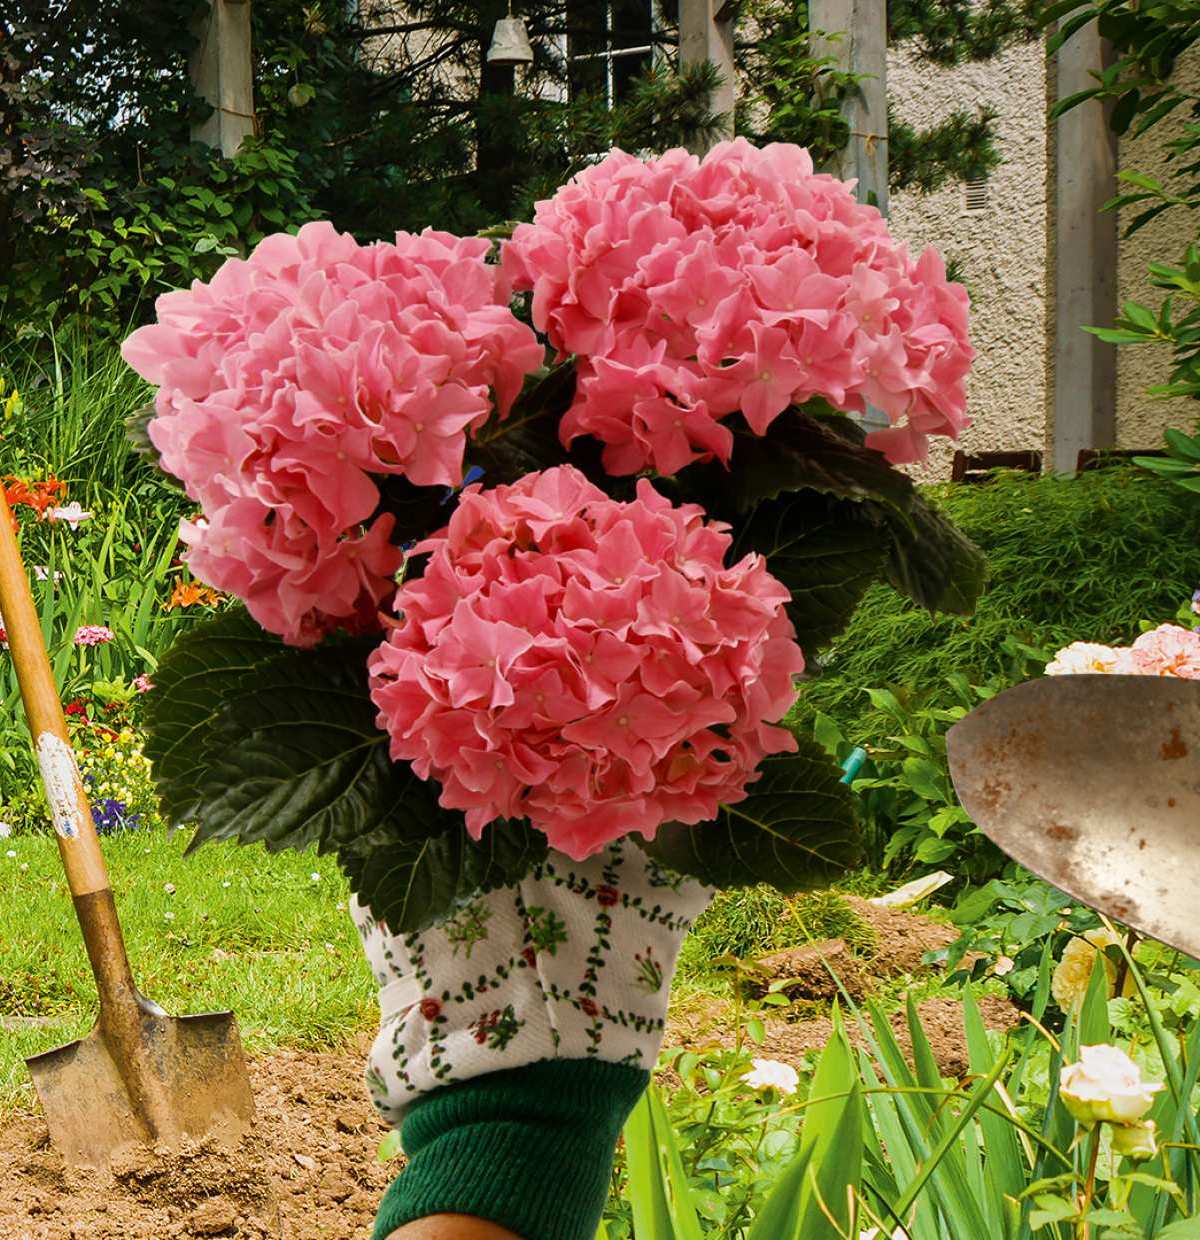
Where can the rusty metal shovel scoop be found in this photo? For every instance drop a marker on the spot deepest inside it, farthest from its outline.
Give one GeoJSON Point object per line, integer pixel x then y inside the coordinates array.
{"type": "Point", "coordinates": [140, 1077]}
{"type": "Point", "coordinates": [1093, 783]}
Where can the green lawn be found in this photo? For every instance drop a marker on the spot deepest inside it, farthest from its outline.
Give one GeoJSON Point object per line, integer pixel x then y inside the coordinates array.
{"type": "Point", "coordinates": [228, 927]}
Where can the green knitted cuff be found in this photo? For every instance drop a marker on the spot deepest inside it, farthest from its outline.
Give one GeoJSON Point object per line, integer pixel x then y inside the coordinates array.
{"type": "Point", "coordinates": [530, 1149]}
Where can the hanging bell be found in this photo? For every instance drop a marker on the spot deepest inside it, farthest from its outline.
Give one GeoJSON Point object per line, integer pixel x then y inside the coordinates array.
{"type": "Point", "coordinates": [510, 43]}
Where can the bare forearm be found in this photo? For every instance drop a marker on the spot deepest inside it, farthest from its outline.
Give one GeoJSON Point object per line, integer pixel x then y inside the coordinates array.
{"type": "Point", "coordinates": [452, 1227]}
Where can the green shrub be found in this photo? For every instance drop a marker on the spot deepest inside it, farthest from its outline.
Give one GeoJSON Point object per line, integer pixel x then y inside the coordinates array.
{"type": "Point", "coordinates": [1070, 558]}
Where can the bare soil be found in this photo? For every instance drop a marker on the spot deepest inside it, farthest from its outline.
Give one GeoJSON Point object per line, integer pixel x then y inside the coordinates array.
{"type": "Point", "coordinates": [308, 1171]}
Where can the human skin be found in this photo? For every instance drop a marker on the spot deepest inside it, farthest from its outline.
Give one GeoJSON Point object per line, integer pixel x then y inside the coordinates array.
{"type": "Point", "coordinates": [451, 1227]}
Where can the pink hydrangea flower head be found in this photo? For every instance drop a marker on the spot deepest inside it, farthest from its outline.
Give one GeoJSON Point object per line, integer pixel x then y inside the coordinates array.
{"type": "Point", "coordinates": [690, 289]}
{"type": "Point", "coordinates": [293, 380]}
{"type": "Point", "coordinates": [93, 635]}
{"type": "Point", "coordinates": [590, 665]}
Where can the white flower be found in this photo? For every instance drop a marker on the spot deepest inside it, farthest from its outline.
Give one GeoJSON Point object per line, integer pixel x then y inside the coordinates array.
{"type": "Point", "coordinates": [5, 830]}
{"type": "Point", "coordinates": [42, 573]}
{"type": "Point", "coordinates": [771, 1074]}
{"type": "Point", "coordinates": [315, 876]}
{"type": "Point", "coordinates": [1105, 1086]}
{"type": "Point", "coordinates": [226, 884]}
{"type": "Point", "coordinates": [1004, 965]}
{"type": "Point", "coordinates": [1081, 658]}
{"type": "Point", "coordinates": [72, 514]}
{"type": "Point", "coordinates": [12, 852]}
{"type": "Point", "coordinates": [169, 888]}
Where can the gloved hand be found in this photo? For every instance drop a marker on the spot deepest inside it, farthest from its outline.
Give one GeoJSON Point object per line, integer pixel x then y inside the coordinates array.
{"type": "Point", "coordinates": [516, 1037]}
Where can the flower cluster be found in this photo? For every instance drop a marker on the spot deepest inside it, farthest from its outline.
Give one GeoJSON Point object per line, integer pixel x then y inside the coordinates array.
{"type": "Point", "coordinates": [1168, 650]}
{"type": "Point", "coordinates": [117, 775]}
{"type": "Point", "coordinates": [587, 664]}
{"type": "Point", "coordinates": [111, 815]}
{"type": "Point", "coordinates": [93, 635]}
{"type": "Point", "coordinates": [690, 289]}
{"type": "Point", "coordinates": [40, 495]}
{"type": "Point", "coordinates": [292, 380]}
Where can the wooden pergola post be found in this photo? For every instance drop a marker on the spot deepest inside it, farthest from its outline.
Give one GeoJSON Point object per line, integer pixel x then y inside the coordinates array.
{"type": "Point", "coordinates": [854, 34]}
{"type": "Point", "coordinates": [706, 34]}
{"type": "Point", "coordinates": [222, 72]}
{"type": "Point", "coordinates": [1084, 278]}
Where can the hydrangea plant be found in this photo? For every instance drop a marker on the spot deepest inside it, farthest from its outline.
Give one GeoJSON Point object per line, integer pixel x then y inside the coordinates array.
{"type": "Point", "coordinates": [573, 653]}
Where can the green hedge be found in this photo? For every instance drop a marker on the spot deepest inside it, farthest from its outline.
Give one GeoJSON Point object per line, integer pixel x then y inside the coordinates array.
{"type": "Point", "coordinates": [1071, 558]}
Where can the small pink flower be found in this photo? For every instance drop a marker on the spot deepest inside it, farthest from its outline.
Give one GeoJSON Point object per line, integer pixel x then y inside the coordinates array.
{"type": "Point", "coordinates": [42, 573]}
{"type": "Point", "coordinates": [93, 635]}
{"type": "Point", "coordinates": [143, 683]}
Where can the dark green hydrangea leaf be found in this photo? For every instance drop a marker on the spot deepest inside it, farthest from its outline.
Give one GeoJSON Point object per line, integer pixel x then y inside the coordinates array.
{"type": "Point", "coordinates": [827, 551]}
{"type": "Point", "coordinates": [411, 878]}
{"type": "Point", "coordinates": [796, 830]}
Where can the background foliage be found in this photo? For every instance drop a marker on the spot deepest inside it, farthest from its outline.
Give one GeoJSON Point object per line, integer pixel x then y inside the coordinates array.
{"type": "Point", "coordinates": [390, 121]}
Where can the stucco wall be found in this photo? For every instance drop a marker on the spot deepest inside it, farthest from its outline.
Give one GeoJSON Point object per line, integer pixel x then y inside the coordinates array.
{"type": "Point", "coordinates": [1141, 418]}
{"type": "Point", "coordinates": [1000, 251]}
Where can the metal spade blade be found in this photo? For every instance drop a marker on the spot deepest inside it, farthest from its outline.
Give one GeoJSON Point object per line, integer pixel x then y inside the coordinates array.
{"type": "Point", "coordinates": [1093, 783]}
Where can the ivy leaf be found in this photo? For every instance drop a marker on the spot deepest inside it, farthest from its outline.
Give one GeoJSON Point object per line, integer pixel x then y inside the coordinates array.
{"type": "Point", "coordinates": [826, 551]}
{"type": "Point", "coordinates": [796, 830]}
{"type": "Point", "coordinates": [417, 875]}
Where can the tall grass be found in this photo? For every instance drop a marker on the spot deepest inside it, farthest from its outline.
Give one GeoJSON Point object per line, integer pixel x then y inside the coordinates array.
{"type": "Point", "coordinates": [1070, 558]}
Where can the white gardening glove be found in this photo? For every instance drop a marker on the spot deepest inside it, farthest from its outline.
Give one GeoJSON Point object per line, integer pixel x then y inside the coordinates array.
{"type": "Point", "coordinates": [573, 962]}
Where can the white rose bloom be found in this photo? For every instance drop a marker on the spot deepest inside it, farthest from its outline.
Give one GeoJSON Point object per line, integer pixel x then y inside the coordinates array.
{"type": "Point", "coordinates": [771, 1074]}
{"type": "Point", "coordinates": [1080, 658]}
{"type": "Point", "coordinates": [1105, 1086]}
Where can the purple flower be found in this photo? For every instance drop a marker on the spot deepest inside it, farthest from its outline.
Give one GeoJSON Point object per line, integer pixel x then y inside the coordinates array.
{"type": "Point", "coordinates": [111, 815]}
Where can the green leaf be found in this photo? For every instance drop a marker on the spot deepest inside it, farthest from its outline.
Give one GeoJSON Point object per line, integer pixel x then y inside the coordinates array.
{"type": "Point", "coordinates": [795, 830]}
{"type": "Point", "coordinates": [527, 440]}
{"type": "Point", "coordinates": [414, 872]}
{"type": "Point", "coordinates": [826, 551]}
{"type": "Point", "coordinates": [935, 564]}
{"type": "Point", "coordinates": [659, 1193]}
{"type": "Point", "coordinates": [137, 432]}
{"type": "Point", "coordinates": [804, 452]}
{"type": "Point", "coordinates": [191, 685]}
{"type": "Point", "coordinates": [255, 741]}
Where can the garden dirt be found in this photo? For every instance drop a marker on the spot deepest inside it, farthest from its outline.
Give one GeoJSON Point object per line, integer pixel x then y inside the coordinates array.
{"type": "Point", "coordinates": [308, 1172]}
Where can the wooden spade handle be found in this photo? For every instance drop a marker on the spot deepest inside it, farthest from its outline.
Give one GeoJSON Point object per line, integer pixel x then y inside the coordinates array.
{"type": "Point", "coordinates": [69, 809]}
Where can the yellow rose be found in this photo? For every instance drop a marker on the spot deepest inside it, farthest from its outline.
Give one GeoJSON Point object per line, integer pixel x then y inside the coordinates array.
{"type": "Point", "coordinates": [1069, 985]}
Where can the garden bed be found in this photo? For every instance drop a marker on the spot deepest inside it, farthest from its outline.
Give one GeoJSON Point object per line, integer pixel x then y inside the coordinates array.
{"type": "Point", "coordinates": [309, 1172]}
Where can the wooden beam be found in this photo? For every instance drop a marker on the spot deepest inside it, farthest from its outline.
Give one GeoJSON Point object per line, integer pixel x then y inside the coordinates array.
{"type": "Point", "coordinates": [1085, 258]}
{"type": "Point", "coordinates": [706, 34]}
{"type": "Point", "coordinates": [222, 70]}
{"type": "Point", "coordinates": [854, 34]}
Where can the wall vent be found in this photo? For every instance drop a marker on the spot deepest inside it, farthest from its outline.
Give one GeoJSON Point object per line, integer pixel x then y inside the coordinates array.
{"type": "Point", "coordinates": [975, 194]}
